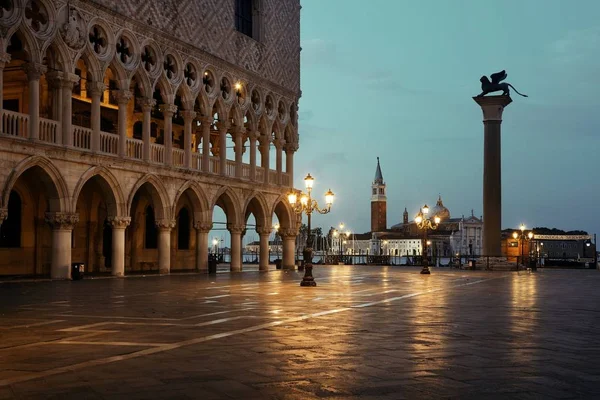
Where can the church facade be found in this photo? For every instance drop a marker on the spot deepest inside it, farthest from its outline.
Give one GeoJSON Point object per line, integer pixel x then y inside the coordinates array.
{"type": "Point", "coordinates": [125, 123]}
{"type": "Point", "coordinates": [453, 236]}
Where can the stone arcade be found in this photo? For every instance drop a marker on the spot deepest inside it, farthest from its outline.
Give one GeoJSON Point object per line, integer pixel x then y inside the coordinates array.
{"type": "Point", "coordinates": [119, 135]}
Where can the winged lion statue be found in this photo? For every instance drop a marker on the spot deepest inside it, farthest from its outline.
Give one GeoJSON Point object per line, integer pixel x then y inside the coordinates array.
{"type": "Point", "coordinates": [497, 85]}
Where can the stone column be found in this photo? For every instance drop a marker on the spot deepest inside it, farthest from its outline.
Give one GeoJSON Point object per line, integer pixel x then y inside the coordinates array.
{"type": "Point", "coordinates": [264, 159]}
{"type": "Point", "coordinates": [164, 244]}
{"type": "Point", "coordinates": [123, 97]}
{"type": "Point", "coordinates": [67, 108]}
{"type": "Point", "coordinates": [239, 151]}
{"type": "Point", "coordinates": [34, 72]}
{"type": "Point", "coordinates": [236, 248]}
{"type": "Point", "coordinates": [252, 137]}
{"type": "Point", "coordinates": [4, 59]}
{"type": "Point", "coordinates": [290, 149]}
{"type": "Point", "coordinates": [263, 253]}
{"type": "Point", "coordinates": [168, 110]}
{"type": "Point", "coordinates": [223, 149]}
{"type": "Point", "coordinates": [188, 118]}
{"type": "Point", "coordinates": [289, 248]}
{"type": "Point", "coordinates": [119, 224]}
{"type": "Point", "coordinates": [147, 106]}
{"type": "Point", "coordinates": [62, 229]}
{"type": "Point", "coordinates": [279, 143]}
{"type": "Point", "coordinates": [55, 84]}
{"type": "Point", "coordinates": [95, 90]}
{"type": "Point", "coordinates": [205, 144]}
{"type": "Point", "coordinates": [202, 230]}
{"type": "Point", "coordinates": [492, 107]}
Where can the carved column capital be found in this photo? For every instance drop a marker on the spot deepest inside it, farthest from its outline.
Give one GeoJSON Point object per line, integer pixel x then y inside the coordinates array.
{"type": "Point", "coordinates": [188, 116]}
{"type": "Point", "coordinates": [165, 224]}
{"type": "Point", "coordinates": [204, 227]}
{"type": "Point", "coordinates": [222, 126]}
{"type": "Point", "coordinates": [119, 222]}
{"type": "Point", "coordinates": [95, 88]}
{"type": "Point", "coordinates": [69, 80]}
{"type": "Point", "coordinates": [34, 71]}
{"type": "Point", "coordinates": [4, 58]}
{"type": "Point", "coordinates": [62, 220]}
{"type": "Point", "coordinates": [55, 79]}
{"type": "Point", "coordinates": [263, 230]}
{"type": "Point", "coordinates": [288, 233]}
{"type": "Point", "coordinates": [148, 104]}
{"type": "Point", "coordinates": [253, 135]}
{"type": "Point", "coordinates": [123, 96]}
{"type": "Point", "coordinates": [236, 229]}
{"type": "Point", "coordinates": [168, 109]}
{"type": "Point", "coordinates": [291, 147]}
{"type": "Point", "coordinates": [279, 143]}
{"type": "Point", "coordinates": [3, 214]}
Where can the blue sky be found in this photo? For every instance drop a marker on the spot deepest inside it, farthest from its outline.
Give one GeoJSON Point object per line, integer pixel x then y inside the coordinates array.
{"type": "Point", "coordinates": [395, 79]}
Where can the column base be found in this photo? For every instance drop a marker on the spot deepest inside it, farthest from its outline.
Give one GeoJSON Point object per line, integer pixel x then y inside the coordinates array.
{"type": "Point", "coordinates": [290, 267]}
{"type": "Point", "coordinates": [425, 271]}
{"type": "Point", "coordinates": [308, 282]}
{"type": "Point", "coordinates": [164, 271]}
{"type": "Point", "coordinates": [235, 269]}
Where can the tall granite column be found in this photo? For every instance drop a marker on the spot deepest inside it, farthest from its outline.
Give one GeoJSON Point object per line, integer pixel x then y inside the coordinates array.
{"type": "Point", "coordinates": [492, 107]}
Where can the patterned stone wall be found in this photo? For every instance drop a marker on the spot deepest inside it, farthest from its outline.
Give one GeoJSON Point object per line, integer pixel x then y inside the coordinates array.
{"type": "Point", "coordinates": [210, 26]}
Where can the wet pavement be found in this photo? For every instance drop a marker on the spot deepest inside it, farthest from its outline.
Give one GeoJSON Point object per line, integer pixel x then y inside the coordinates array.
{"type": "Point", "coordinates": [363, 332]}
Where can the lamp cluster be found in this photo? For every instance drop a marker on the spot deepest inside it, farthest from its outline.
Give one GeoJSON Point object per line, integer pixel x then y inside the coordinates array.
{"type": "Point", "coordinates": [425, 222]}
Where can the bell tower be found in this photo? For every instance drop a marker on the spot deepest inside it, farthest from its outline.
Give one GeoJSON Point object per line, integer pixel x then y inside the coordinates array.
{"type": "Point", "coordinates": [405, 217]}
{"type": "Point", "coordinates": [378, 202]}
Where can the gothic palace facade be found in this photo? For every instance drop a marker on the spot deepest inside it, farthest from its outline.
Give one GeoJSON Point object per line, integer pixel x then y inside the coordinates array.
{"type": "Point", "coordinates": [125, 122]}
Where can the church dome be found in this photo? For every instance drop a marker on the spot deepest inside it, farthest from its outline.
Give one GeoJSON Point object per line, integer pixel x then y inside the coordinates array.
{"type": "Point", "coordinates": [440, 210]}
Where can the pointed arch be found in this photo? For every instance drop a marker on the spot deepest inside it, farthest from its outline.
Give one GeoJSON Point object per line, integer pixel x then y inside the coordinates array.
{"type": "Point", "coordinates": [120, 73]}
{"type": "Point", "coordinates": [235, 114]}
{"type": "Point", "coordinates": [202, 101]}
{"type": "Point", "coordinates": [29, 44]}
{"type": "Point", "coordinates": [257, 205]}
{"type": "Point", "coordinates": [229, 202]}
{"type": "Point", "coordinates": [92, 64]}
{"type": "Point", "coordinates": [115, 201]}
{"type": "Point", "coordinates": [143, 81]}
{"type": "Point", "coordinates": [166, 90]}
{"type": "Point", "coordinates": [284, 213]}
{"type": "Point", "coordinates": [51, 179]}
{"type": "Point", "coordinates": [158, 192]}
{"type": "Point", "coordinates": [198, 200]}
{"type": "Point", "coordinates": [60, 54]}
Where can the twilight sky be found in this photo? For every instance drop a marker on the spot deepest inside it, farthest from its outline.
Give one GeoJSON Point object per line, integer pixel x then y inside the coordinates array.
{"type": "Point", "coordinates": [394, 79]}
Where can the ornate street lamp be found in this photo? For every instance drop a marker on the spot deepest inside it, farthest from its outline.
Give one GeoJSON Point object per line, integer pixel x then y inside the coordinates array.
{"type": "Point", "coordinates": [307, 205]}
{"type": "Point", "coordinates": [522, 237]}
{"type": "Point", "coordinates": [425, 223]}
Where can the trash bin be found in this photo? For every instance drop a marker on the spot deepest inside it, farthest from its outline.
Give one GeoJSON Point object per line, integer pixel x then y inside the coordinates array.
{"type": "Point", "coordinates": [472, 264]}
{"type": "Point", "coordinates": [277, 263]}
{"type": "Point", "coordinates": [212, 264]}
{"type": "Point", "coordinates": [533, 264]}
{"type": "Point", "coordinates": [77, 270]}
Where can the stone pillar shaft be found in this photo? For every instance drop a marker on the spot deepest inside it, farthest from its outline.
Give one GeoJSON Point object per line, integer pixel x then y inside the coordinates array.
{"type": "Point", "coordinates": [202, 230]}
{"type": "Point", "coordinates": [223, 150]}
{"type": "Point", "coordinates": [119, 224]}
{"type": "Point", "coordinates": [147, 106]}
{"type": "Point", "coordinates": [264, 160]}
{"type": "Point", "coordinates": [492, 107]}
{"type": "Point", "coordinates": [263, 262]}
{"type": "Point", "coordinates": [288, 261]}
{"type": "Point", "coordinates": [279, 159]}
{"type": "Point", "coordinates": [33, 75]}
{"type": "Point", "coordinates": [289, 166]}
{"type": "Point", "coordinates": [188, 118]}
{"type": "Point", "coordinates": [67, 109]}
{"type": "Point", "coordinates": [123, 97]}
{"type": "Point", "coordinates": [62, 229]}
{"type": "Point", "coordinates": [205, 145]}
{"type": "Point", "coordinates": [238, 153]}
{"type": "Point", "coordinates": [252, 157]}
{"type": "Point", "coordinates": [95, 90]}
{"type": "Point", "coordinates": [236, 248]}
{"type": "Point", "coordinates": [168, 110]}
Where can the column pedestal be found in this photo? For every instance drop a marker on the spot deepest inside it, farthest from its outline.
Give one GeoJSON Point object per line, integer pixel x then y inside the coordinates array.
{"type": "Point", "coordinates": [202, 230]}
{"type": "Point", "coordinates": [164, 245]}
{"type": "Point", "coordinates": [62, 228]}
{"type": "Point", "coordinates": [289, 248]}
{"type": "Point", "coordinates": [263, 252]}
{"type": "Point", "coordinates": [236, 248]}
{"type": "Point", "coordinates": [119, 224]}
{"type": "Point", "coordinates": [492, 107]}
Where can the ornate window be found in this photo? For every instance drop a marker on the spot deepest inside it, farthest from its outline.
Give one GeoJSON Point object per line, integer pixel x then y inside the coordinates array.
{"type": "Point", "coordinates": [243, 17]}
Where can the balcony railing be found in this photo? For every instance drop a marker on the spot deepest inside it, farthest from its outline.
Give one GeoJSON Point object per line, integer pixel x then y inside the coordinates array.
{"type": "Point", "coordinates": [49, 129]}
{"type": "Point", "coordinates": [178, 156]}
{"type": "Point", "coordinates": [15, 124]}
{"type": "Point", "coordinates": [82, 138]}
{"type": "Point", "coordinates": [157, 153]}
{"type": "Point", "coordinates": [109, 143]}
{"type": "Point", "coordinates": [135, 148]}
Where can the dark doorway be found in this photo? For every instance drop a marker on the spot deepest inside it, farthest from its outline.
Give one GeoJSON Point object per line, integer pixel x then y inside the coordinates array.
{"type": "Point", "coordinates": [151, 233]}
{"type": "Point", "coordinates": [183, 229]}
{"type": "Point", "coordinates": [10, 230]}
{"type": "Point", "coordinates": [107, 244]}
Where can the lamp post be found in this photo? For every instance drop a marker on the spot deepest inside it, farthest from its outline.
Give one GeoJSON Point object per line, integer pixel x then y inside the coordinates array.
{"type": "Point", "coordinates": [215, 243]}
{"type": "Point", "coordinates": [522, 237]}
{"type": "Point", "coordinates": [425, 222]}
{"type": "Point", "coordinates": [276, 229]}
{"type": "Point", "coordinates": [308, 205]}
